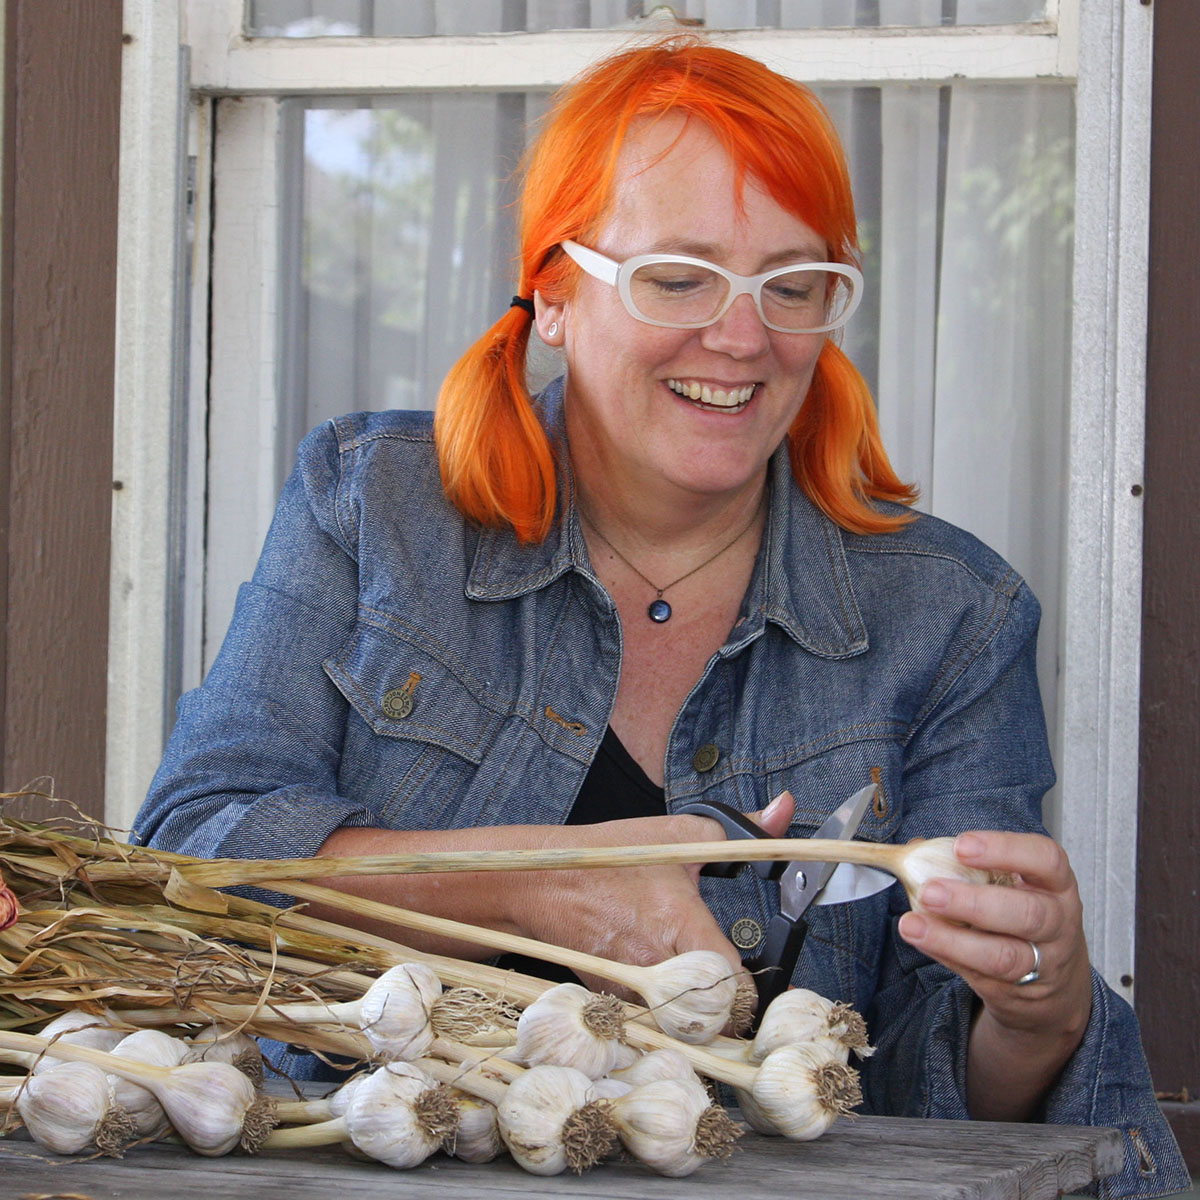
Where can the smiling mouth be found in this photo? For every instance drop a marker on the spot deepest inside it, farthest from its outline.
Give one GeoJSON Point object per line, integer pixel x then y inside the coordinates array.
{"type": "Point", "coordinates": [704, 396]}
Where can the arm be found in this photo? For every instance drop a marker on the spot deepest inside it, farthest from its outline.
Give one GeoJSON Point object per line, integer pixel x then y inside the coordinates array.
{"type": "Point", "coordinates": [256, 765]}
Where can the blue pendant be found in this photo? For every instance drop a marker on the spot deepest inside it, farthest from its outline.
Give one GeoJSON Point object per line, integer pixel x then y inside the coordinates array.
{"type": "Point", "coordinates": [659, 611]}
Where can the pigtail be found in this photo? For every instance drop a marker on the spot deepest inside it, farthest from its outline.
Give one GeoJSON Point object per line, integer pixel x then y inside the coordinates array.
{"type": "Point", "coordinates": [495, 458]}
{"type": "Point", "coordinates": [836, 453]}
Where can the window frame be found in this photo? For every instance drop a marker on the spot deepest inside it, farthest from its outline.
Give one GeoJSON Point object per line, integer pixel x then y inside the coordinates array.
{"type": "Point", "coordinates": [1105, 50]}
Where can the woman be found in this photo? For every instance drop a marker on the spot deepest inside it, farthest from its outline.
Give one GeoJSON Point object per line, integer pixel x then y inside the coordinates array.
{"type": "Point", "coordinates": [686, 571]}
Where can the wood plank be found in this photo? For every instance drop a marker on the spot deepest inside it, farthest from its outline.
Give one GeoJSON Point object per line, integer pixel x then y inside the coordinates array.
{"type": "Point", "coordinates": [872, 1158]}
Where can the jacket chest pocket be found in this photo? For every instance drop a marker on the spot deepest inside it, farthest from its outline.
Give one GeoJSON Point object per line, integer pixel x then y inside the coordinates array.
{"type": "Point", "coordinates": [424, 727]}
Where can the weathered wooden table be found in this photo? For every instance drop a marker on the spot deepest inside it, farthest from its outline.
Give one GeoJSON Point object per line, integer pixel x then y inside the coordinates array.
{"type": "Point", "coordinates": [871, 1158]}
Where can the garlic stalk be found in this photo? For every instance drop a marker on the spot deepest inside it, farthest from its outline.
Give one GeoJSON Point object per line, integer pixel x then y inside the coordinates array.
{"type": "Point", "coordinates": [145, 1046]}
{"type": "Point", "coordinates": [799, 1091]}
{"type": "Point", "coordinates": [397, 1115]}
{"type": "Point", "coordinates": [69, 1110]}
{"type": "Point", "coordinates": [909, 863]}
{"type": "Point", "coordinates": [569, 1026]}
{"type": "Point", "coordinates": [802, 1016]}
{"type": "Point", "coordinates": [673, 1126]}
{"type": "Point", "coordinates": [212, 1106]}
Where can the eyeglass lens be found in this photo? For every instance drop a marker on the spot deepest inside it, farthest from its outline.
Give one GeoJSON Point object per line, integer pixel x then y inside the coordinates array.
{"type": "Point", "coordinates": [690, 294]}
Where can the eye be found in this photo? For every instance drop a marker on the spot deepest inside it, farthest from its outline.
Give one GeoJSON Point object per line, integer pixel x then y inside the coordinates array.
{"type": "Point", "coordinates": [673, 280]}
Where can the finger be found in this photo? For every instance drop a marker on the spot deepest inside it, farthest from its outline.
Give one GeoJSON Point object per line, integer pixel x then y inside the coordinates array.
{"type": "Point", "coordinates": [1022, 912]}
{"type": "Point", "coordinates": [777, 816]}
{"type": "Point", "coordinates": [1039, 860]}
{"type": "Point", "coordinates": [979, 957]}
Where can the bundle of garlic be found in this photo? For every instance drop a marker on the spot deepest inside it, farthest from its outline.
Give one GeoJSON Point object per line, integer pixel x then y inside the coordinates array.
{"type": "Point", "coordinates": [211, 1105]}
{"type": "Point", "coordinates": [397, 1115]}
{"type": "Point", "coordinates": [312, 983]}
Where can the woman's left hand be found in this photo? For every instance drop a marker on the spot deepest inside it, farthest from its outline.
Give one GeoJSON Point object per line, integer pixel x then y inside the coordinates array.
{"type": "Point", "coordinates": [1025, 1031]}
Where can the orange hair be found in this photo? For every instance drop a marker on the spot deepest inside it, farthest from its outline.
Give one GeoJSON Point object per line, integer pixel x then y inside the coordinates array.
{"type": "Point", "coordinates": [496, 461]}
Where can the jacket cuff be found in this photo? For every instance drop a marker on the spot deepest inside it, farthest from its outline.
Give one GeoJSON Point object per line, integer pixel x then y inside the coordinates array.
{"type": "Point", "coordinates": [1106, 1082]}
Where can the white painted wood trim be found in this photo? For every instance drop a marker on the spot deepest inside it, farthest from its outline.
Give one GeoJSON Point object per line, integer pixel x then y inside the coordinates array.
{"type": "Point", "coordinates": [532, 61]}
{"type": "Point", "coordinates": [1103, 568]}
{"type": "Point", "coordinates": [242, 383]}
{"type": "Point", "coordinates": [144, 381]}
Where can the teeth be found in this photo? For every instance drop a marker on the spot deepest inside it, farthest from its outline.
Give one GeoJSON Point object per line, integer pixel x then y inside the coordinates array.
{"type": "Point", "coordinates": [714, 397]}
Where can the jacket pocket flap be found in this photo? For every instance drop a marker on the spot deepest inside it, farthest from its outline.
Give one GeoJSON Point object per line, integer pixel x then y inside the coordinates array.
{"type": "Point", "coordinates": [403, 690]}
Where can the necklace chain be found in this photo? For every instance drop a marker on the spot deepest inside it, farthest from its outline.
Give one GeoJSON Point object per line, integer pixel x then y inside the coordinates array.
{"type": "Point", "coordinates": [687, 574]}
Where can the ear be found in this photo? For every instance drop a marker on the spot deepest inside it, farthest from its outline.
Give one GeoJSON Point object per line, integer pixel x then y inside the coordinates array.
{"type": "Point", "coordinates": [550, 320]}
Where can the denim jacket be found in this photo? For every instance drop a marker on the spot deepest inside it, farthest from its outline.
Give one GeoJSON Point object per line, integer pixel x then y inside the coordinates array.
{"type": "Point", "coordinates": [393, 665]}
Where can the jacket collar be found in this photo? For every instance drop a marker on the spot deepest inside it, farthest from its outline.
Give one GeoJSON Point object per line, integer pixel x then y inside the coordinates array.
{"type": "Point", "coordinates": [801, 580]}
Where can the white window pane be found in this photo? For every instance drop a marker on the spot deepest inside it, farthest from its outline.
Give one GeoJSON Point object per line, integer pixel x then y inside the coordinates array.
{"type": "Point", "coordinates": [396, 246]}
{"type": "Point", "coordinates": [396, 18]}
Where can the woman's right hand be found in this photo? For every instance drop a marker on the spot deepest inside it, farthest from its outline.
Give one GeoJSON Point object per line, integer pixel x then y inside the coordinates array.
{"type": "Point", "coordinates": [639, 915]}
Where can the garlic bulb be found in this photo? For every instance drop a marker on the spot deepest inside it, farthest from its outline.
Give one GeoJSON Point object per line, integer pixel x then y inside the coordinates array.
{"type": "Point", "coordinates": [223, 1043]}
{"type": "Point", "coordinates": [550, 1122]}
{"type": "Point", "coordinates": [934, 859]}
{"type": "Point", "coordinates": [568, 1026]}
{"type": "Point", "coordinates": [691, 996]}
{"type": "Point", "coordinates": [394, 1013]}
{"type": "Point", "coordinates": [672, 1126]}
{"type": "Point", "coordinates": [609, 1088]}
{"type": "Point", "coordinates": [213, 1107]}
{"type": "Point", "coordinates": [657, 1064]}
{"type": "Point", "coordinates": [78, 1028]}
{"type": "Point", "coordinates": [145, 1046]}
{"type": "Point", "coordinates": [803, 1016]}
{"type": "Point", "coordinates": [799, 1091]}
{"type": "Point", "coordinates": [477, 1139]}
{"type": "Point", "coordinates": [399, 1116]}
{"type": "Point", "coordinates": [68, 1110]}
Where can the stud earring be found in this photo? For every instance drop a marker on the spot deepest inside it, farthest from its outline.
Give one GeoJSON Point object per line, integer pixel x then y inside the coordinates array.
{"type": "Point", "coordinates": [553, 330]}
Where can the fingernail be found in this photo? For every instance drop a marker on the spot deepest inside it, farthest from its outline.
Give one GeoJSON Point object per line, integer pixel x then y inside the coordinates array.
{"type": "Point", "coordinates": [968, 845]}
{"type": "Point", "coordinates": [935, 894]}
{"type": "Point", "coordinates": [773, 807]}
{"type": "Point", "coordinates": [913, 926]}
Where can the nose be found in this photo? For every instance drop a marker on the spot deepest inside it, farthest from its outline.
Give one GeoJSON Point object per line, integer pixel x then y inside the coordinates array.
{"type": "Point", "coordinates": [740, 333]}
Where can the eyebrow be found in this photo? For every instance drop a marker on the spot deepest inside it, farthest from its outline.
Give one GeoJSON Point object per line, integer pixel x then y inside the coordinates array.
{"type": "Point", "coordinates": [709, 251]}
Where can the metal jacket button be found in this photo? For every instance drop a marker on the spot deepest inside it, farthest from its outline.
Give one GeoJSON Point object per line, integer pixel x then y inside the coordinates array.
{"type": "Point", "coordinates": [706, 757]}
{"type": "Point", "coordinates": [745, 933]}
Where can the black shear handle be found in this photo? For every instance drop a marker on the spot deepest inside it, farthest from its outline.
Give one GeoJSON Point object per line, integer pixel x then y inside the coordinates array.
{"type": "Point", "coordinates": [736, 825]}
{"type": "Point", "coordinates": [775, 963]}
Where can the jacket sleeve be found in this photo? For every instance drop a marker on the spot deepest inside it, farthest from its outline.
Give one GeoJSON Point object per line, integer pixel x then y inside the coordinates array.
{"type": "Point", "coordinates": [922, 1013]}
{"type": "Point", "coordinates": [251, 767]}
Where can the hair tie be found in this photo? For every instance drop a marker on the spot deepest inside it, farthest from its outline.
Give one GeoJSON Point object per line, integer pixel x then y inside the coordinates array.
{"type": "Point", "coordinates": [521, 302]}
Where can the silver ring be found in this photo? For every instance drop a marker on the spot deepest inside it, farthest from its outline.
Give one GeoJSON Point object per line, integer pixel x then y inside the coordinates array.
{"type": "Point", "coordinates": [1035, 972]}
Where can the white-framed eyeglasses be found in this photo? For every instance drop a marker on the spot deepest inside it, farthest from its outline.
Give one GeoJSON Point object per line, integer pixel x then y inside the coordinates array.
{"type": "Point", "coordinates": [678, 292]}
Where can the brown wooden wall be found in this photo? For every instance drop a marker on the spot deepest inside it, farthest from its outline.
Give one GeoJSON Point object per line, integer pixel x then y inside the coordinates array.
{"type": "Point", "coordinates": [1168, 899]}
{"type": "Point", "coordinates": [57, 306]}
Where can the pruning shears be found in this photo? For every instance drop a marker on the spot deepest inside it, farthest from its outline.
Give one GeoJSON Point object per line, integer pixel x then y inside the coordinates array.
{"type": "Point", "coordinates": [801, 884]}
